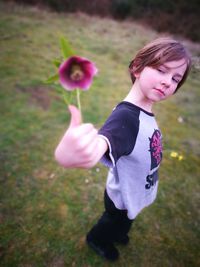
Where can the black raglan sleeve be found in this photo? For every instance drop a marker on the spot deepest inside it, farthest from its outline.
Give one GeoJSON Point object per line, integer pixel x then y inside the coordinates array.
{"type": "Point", "coordinates": [120, 132]}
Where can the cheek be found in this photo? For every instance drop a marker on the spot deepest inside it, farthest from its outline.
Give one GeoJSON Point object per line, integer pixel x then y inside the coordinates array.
{"type": "Point", "coordinates": [173, 90]}
{"type": "Point", "coordinates": [148, 79]}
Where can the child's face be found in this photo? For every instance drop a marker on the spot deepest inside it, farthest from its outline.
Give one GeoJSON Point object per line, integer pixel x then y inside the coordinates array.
{"type": "Point", "coordinates": [159, 83]}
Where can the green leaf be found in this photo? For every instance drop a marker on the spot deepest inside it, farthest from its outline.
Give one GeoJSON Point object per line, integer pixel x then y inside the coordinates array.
{"type": "Point", "coordinates": [56, 62]}
{"type": "Point", "coordinates": [66, 49]}
{"type": "Point", "coordinates": [52, 79]}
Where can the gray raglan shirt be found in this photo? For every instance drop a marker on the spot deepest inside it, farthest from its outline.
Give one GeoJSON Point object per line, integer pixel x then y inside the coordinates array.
{"type": "Point", "coordinates": [134, 156]}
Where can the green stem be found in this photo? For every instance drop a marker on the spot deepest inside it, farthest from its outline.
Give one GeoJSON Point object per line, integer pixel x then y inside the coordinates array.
{"type": "Point", "coordinates": [78, 99]}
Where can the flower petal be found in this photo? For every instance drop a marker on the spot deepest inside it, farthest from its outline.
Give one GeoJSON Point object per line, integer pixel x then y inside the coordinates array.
{"type": "Point", "coordinates": [87, 69]}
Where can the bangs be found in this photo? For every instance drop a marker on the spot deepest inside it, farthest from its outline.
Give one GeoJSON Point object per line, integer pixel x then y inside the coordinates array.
{"type": "Point", "coordinates": [169, 53]}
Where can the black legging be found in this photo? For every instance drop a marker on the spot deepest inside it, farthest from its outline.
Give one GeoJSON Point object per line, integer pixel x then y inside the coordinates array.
{"type": "Point", "coordinates": [113, 223]}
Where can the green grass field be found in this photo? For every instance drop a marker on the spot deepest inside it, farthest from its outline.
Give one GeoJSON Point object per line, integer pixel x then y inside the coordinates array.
{"type": "Point", "coordinates": [45, 210]}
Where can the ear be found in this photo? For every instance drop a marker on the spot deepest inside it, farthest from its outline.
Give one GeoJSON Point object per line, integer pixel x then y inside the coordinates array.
{"type": "Point", "coordinates": [136, 74]}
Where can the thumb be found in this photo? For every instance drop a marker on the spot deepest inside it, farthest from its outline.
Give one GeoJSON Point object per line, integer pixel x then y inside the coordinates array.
{"type": "Point", "coordinates": [75, 116]}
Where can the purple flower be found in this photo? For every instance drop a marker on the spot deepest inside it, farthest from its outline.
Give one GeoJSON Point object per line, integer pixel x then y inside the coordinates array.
{"type": "Point", "coordinates": [77, 72]}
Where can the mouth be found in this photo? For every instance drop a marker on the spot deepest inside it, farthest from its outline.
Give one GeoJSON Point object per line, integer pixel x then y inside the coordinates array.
{"type": "Point", "coordinates": [161, 92]}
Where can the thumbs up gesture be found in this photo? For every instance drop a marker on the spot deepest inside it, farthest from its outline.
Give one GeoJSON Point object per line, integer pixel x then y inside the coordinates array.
{"type": "Point", "coordinates": [80, 147]}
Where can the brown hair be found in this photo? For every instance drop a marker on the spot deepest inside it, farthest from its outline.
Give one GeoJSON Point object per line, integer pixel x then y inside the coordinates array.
{"type": "Point", "coordinates": [158, 52]}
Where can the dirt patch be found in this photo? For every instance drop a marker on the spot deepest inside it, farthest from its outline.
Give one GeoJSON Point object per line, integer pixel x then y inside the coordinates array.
{"type": "Point", "coordinates": [57, 262]}
{"type": "Point", "coordinates": [38, 95]}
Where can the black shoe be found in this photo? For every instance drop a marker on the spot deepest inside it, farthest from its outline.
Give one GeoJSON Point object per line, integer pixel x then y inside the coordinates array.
{"type": "Point", "coordinates": [124, 240]}
{"type": "Point", "coordinates": [108, 251]}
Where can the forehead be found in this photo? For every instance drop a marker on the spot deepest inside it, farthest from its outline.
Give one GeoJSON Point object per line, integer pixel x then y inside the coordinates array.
{"type": "Point", "coordinates": [177, 66]}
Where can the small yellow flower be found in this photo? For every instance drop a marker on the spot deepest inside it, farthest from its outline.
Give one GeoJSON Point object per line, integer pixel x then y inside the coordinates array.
{"type": "Point", "coordinates": [180, 157]}
{"type": "Point", "coordinates": [174, 154]}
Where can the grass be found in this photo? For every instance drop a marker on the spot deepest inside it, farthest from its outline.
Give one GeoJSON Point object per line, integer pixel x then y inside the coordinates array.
{"type": "Point", "coordinates": [45, 211]}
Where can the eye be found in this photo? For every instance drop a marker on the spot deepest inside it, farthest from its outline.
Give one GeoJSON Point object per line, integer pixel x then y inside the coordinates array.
{"type": "Point", "coordinates": [161, 70]}
{"type": "Point", "coordinates": [176, 80]}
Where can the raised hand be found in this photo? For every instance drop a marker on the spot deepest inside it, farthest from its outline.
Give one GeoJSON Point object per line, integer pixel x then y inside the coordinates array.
{"type": "Point", "coordinates": [80, 147]}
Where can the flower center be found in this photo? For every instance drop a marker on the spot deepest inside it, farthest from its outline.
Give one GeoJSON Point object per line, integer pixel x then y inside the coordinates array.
{"type": "Point", "coordinates": [76, 73]}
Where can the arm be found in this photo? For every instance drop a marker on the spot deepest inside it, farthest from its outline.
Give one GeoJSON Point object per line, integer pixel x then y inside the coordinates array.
{"type": "Point", "coordinates": [81, 146]}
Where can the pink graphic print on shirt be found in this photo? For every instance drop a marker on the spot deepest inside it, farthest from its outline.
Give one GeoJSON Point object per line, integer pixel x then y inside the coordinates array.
{"type": "Point", "coordinates": [155, 149]}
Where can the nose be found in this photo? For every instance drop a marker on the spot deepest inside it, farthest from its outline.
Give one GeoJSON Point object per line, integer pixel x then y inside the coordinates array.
{"type": "Point", "coordinates": [166, 81]}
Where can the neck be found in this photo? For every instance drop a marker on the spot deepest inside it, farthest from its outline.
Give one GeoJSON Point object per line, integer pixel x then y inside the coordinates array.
{"type": "Point", "coordinates": [136, 97]}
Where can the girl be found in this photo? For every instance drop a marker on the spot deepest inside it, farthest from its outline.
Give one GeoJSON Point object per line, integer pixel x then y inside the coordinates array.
{"type": "Point", "coordinates": [129, 142]}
